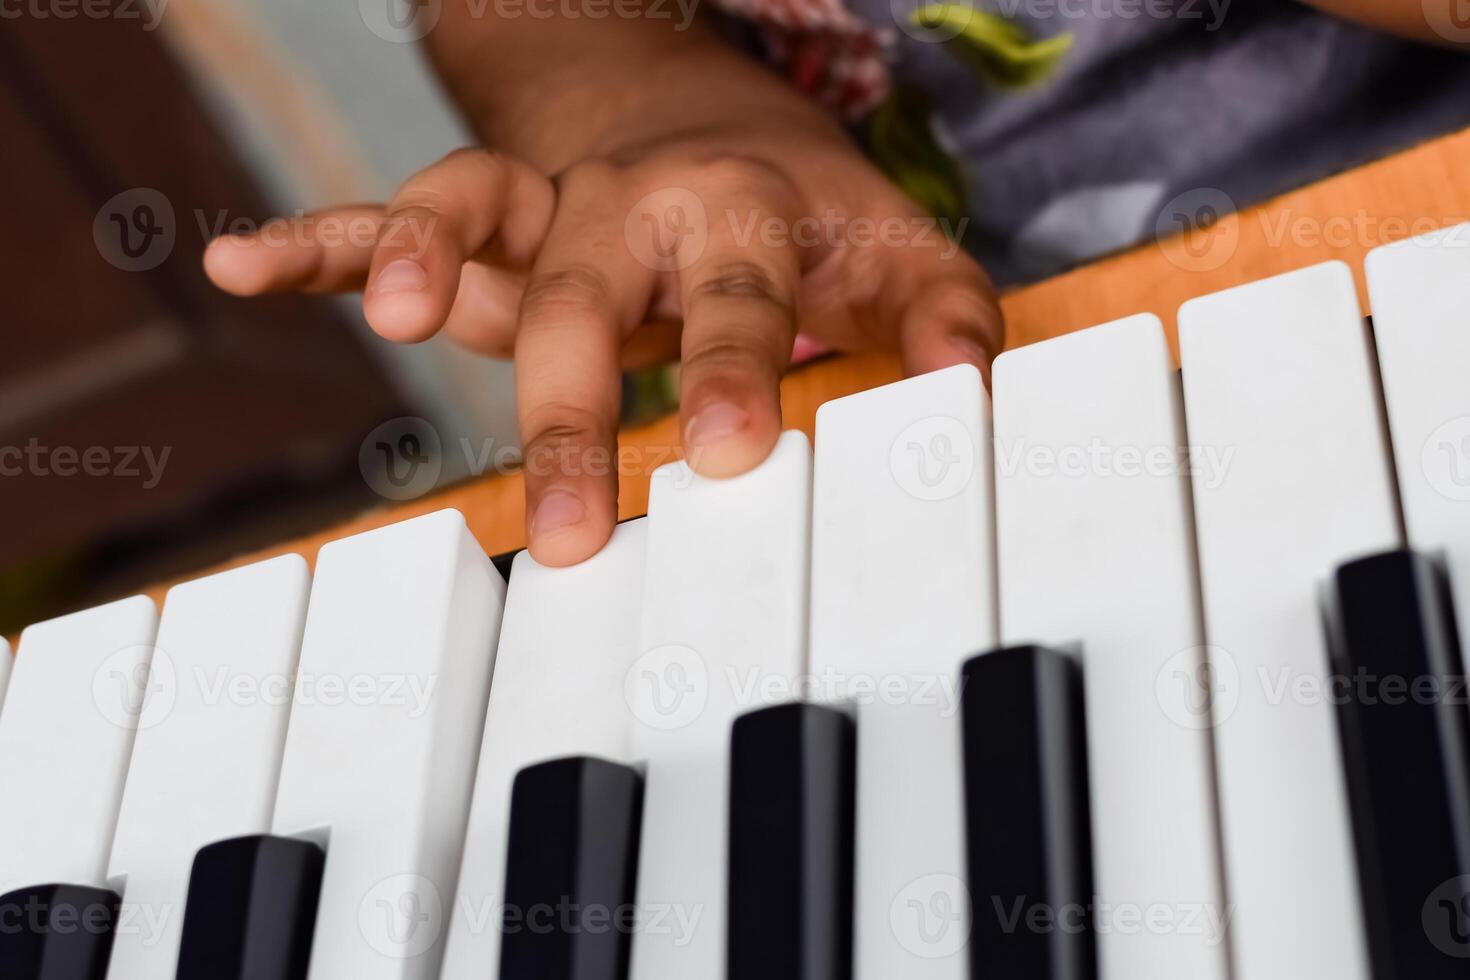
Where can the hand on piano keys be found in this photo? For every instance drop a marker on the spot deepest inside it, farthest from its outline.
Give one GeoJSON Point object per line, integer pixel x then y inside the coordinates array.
{"type": "Point", "coordinates": [697, 246]}
{"type": "Point", "coordinates": [1100, 686]}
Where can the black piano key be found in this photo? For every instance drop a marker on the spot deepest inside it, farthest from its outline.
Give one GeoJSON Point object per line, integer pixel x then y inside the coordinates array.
{"type": "Point", "coordinates": [56, 932]}
{"type": "Point", "coordinates": [251, 909]}
{"type": "Point", "coordinates": [504, 562]}
{"type": "Point", "coordinates": [791, 844]}
{"type": "Point", "coordinates": [572, 857]}
{"type": "Point", "coordinates": [1026, 812]}
{"type": "Point", "coordinates": [1406, 749]}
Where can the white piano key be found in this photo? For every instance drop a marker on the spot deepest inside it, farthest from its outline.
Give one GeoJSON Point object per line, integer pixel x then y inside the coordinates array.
{"type": "Point", "coordinates": [903, 591]}
{"type": "Point", "coordinates": [65, 737]}
{"type": "Point", "coordinates": [385, 728]}
{"type": "Point", "coordinates": [723, 631]}
{"type": "Point", "coordinates": [1096, 546]}
{"type": "Point", "coordinates": [6, 659]}
{"type": "Point", "coordinates": [1420, 294]}
{"type": "Point", "coordinates": [1281, 371]}
{"type": "Point", "coordinates": [208, 748]}
{"type": "Point", "coordinates": [567, 641]}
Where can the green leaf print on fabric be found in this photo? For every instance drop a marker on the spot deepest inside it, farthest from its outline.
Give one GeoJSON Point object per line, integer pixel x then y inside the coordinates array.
{"type": "Point", "coordinates": [1001, 52]}
{"type": "Point", "coordinates": [900, 132]}
{"type": "Point", "coordinates": [901, 142]}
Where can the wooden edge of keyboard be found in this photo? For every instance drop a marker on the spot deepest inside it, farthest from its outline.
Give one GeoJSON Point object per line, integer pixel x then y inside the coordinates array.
{"type": "Point", "coordinates": [1342, 217]}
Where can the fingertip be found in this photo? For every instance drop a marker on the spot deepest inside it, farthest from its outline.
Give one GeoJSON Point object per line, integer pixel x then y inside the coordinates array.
{"type": "Point", "coordinates": [399, 305]}
{"type": "Point", "coordinates": [404, 318]}
{"type": "Point", "coordinates": [563, 530]}
{"type": "Point", "coordinates": [958, 325]}
{"type": "Point", "coordinates": [723, 438]}
{"type": "Point", "coordinates": [232, 264]}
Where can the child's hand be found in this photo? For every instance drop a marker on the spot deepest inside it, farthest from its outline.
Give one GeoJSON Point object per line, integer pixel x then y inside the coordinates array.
{"type": "Point", "coordinates": [741, 230]}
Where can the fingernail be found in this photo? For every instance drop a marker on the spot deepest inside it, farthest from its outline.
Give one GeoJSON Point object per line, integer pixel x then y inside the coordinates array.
{"type": "Point", "coordinates": [977, 353]}
{"type": "Point", "coordinates": [714, 422]}
{"type": "Point", "coordinates": [557, 509]}
{"type": "Point", "coordinates": [401, 276]}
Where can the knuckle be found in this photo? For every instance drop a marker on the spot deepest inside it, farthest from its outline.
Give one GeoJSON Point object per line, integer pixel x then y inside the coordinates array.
{"type": "Point", "coordinates": [743, 280]}
{"type": "Point", "coordinates": [724, 359]}
{"type": "Point", "coordinates": [736, 172]}
{"type": "Point", "coordinates": [571, 288]}
{"type": "Point", "coordinates": [558, 427]}
{"type": "Point", "coordinates": [592, 173]}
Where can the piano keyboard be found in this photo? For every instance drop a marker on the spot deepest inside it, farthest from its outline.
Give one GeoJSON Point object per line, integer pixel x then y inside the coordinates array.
{"type": "Point", "coordinates": [1147, 674]}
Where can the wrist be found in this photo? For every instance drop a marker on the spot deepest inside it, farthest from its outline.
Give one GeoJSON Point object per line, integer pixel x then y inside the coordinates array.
{"type": "Point", "coordinates": [591, 92]}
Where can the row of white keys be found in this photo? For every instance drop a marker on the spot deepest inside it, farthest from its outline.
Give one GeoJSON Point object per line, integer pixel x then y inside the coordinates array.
{"type": "Point", "coordinates": [208, 748]}
{"type": "Point", "coordinates": [1420, 295]}
{"type": "Point", "coordinates": [1281, 372]}
{"type": "Point", "coordinates": [568, 639]}
{"type": "Point", "coordinates": [385, 728]}
{"type": "Point", "coordinates": [903, 590]}
{"type": "Point", "coordinates": [1096, 545]}
{"type": "Point", "coordinates": [65, 737]}
{"type": "Point", "coordinates": [723, 631]}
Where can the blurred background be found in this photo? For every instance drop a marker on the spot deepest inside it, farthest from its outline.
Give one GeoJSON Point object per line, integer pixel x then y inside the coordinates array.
{"type": "Point", "coordinates": [150, 425]}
